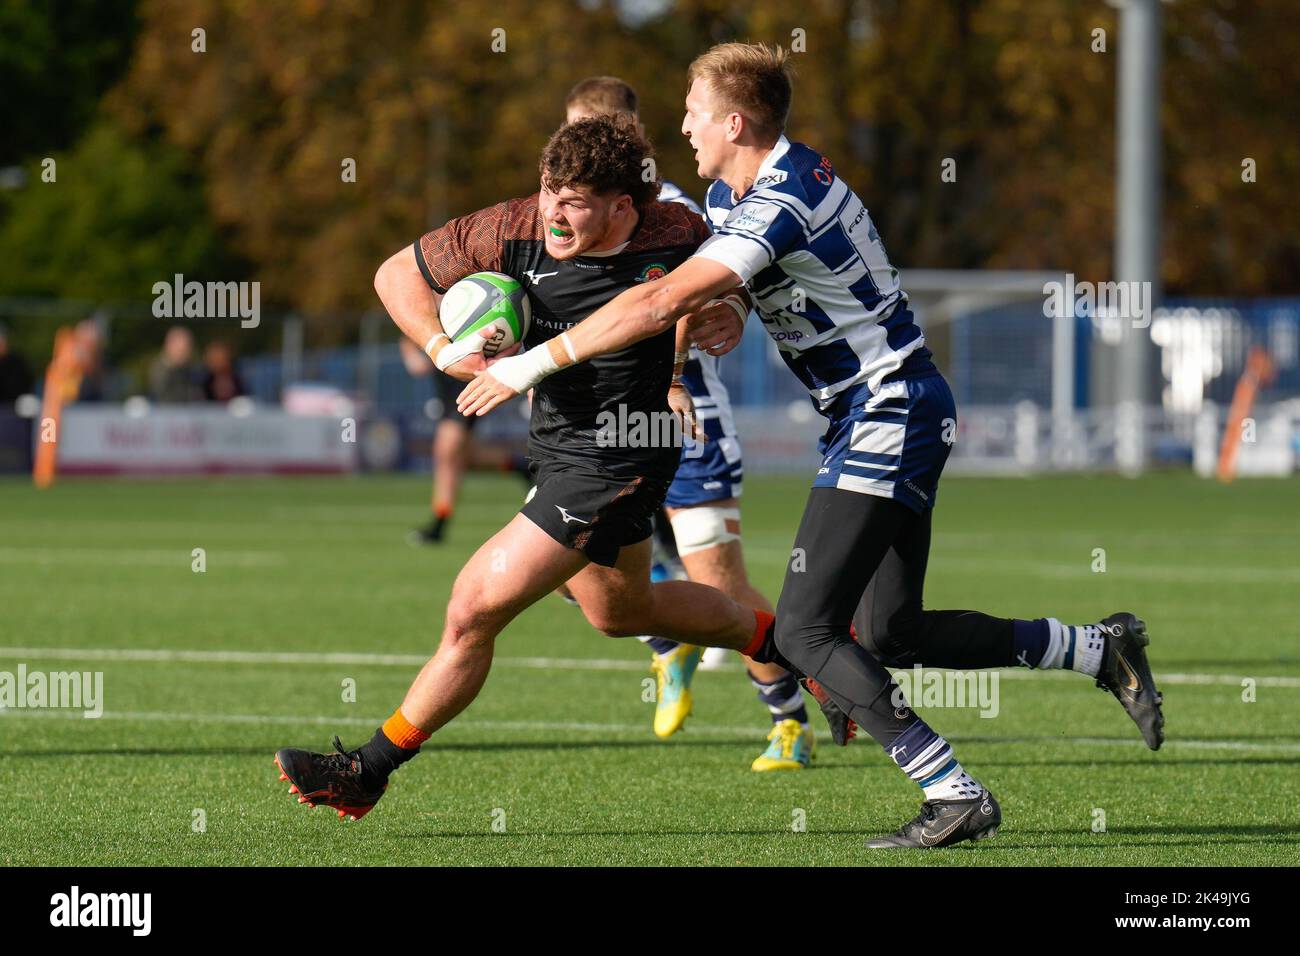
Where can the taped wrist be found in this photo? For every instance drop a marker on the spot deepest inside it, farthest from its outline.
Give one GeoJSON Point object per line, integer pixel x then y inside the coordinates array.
{"type": "Point", "coordinates": [522, 372]}
{"type": "Point", "coordinates": [679, 363]}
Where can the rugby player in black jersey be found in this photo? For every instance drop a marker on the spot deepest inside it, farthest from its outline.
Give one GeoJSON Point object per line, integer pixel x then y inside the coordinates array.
{"type": "Point", "coordinates": [594, 230]}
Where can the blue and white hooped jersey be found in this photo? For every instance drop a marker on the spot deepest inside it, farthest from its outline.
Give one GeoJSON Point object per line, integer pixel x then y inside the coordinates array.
{"type": "Point", "coordinates": [712, 471]}
{"type": "Point", "coordinates": [700, 376]}
{"type": "Point", "coordinates": [805, 246]}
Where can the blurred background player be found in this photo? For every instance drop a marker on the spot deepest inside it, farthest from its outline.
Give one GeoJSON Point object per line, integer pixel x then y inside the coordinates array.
{"type": "Point", "coordinates": [454, 449]}
{"type": "Point", "coordinates": [697, 533]}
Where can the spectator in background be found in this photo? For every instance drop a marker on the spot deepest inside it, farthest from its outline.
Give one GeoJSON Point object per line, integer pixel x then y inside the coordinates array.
{"type": "Point", "coordinates": [221, 382]}
{"type": "Point", "coordinates": [88, 340]}
{"type": "Point", "coordinates": [171, 376]}
{"type": "Point", "coordinates": [15, 374]}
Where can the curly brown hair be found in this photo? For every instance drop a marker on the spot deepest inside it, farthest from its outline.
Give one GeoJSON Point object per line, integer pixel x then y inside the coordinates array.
{"type": "Point", "coordinates": [604, 153]}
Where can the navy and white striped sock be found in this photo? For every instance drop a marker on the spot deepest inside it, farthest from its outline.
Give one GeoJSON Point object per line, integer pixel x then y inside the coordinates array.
{"type": "Point", "coordinates": [1078, 648]}
{"type": "Point", "coordinates": [783, 698]}
{"type": "Point", "coordinates": [660, 645]}
{"type": "Point", "coordinates": [928, 759]}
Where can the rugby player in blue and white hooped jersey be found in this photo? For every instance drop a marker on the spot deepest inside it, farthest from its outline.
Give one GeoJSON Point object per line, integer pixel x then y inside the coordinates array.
{"type": "Point", "coordinates": [804, 246]}
{"type": "Point", "coordinates": [703, 510]}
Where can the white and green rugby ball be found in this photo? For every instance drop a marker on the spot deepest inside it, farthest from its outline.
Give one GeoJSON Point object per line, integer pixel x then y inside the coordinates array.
{"type": "Point", "coordinates": [483, 299]}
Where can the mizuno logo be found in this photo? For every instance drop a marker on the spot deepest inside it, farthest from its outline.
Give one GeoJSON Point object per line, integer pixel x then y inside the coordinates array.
{"type": "Point", "coordinates": [568, 517]}
{"type": "Point", "coordinates": [932, 839]}
{"type": "Point", "coordinates": [537, 277]}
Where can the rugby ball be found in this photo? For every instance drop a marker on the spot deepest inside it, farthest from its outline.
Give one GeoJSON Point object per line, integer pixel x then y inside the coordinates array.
{"type": "Point", "coordinates": [486, 299]}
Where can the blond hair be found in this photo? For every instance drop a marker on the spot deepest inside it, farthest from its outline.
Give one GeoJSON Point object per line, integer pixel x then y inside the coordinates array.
{"type": "Point", "coordinates": [603, 96]}
{"type": "Point", "coordinates": [752, 79]}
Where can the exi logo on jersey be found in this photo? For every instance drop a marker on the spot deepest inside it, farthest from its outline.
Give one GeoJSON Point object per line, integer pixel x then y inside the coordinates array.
{"type": "Point", "coordinates": [656, 270]}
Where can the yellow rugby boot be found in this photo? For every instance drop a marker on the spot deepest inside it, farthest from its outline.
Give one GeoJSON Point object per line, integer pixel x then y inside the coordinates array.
{"type": "Point", "coordinates": [673, 673]}
{"type": "Point", "coordinates": [791, 748]}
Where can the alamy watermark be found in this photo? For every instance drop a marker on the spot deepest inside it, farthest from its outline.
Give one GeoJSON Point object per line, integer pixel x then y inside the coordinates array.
{"type": "Point", "coordinates": [132, 911]}
{"type": "Point", "coordinates": [179, 299]}
{"type": "Point", "coordinates": [1108, 303]}
{"type": "Point", "coordinates": [942, 688]}
{"type": "Point", "coordinates": [624, 428]}
{"type": "Point", "coordinates": [55, 690]}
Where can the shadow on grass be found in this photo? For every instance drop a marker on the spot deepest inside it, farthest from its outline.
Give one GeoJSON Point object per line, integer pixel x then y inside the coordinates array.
{"type": "Point", "coordinates": [451, 746]}
{"type": "Point", "coordinates": [1156, 762]}
{"type": "Point", "coordinates": [1065, 840]}
{"type": "Point", "coordinates": [553, 834]}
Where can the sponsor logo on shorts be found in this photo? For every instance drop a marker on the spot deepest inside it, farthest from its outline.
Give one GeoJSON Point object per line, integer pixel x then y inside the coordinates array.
{"type": "Point", "coordinates": [570, 517]}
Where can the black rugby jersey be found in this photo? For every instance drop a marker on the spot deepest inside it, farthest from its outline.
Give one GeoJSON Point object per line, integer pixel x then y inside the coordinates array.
{"type": "Point", "coordinates": [508, 238]}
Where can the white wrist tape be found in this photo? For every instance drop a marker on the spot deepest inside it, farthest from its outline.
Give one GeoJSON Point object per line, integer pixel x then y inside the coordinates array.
{"type": "Point", "coordinates": [741, 312]}
{"type": "Point", "coordinates": [428, 346]}
{"type": "Point", "coordinates": [568, 347]}
{"type": "Point", "coordinates": [455, 351]}
{"type": "Point", "coordinates": [522, 372]}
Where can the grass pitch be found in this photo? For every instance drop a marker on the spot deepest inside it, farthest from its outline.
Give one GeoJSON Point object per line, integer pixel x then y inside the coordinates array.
{"type": "Point", "coordinates": [207, 674]}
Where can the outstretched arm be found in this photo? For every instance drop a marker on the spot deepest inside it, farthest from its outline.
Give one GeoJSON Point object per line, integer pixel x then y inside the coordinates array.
{"type": "Point", "coordinates": [631, 316]}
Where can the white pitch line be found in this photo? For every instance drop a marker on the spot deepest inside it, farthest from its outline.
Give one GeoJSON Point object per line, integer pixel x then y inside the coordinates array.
{"type": "Point", "coordinates": [153, 557]}
{"type": "Point", "coordinates": [724, 732]}
{"type": "Point", "coordinates": [292, 657]}
{"type": "Point", "coordinates": [1081, 570]}
{"type": "Point", "coordinates": [531, 663]}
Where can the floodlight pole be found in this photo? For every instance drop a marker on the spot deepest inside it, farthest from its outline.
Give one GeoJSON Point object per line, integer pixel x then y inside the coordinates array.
{"type": "Point", "coordinates": [1137, 219]}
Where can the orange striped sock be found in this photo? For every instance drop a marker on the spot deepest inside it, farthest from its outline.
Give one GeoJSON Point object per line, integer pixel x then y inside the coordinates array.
{"type": "Point", "coordinates": [402, 733]}
{"type": "Point", "coordinates": [442, 510]}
